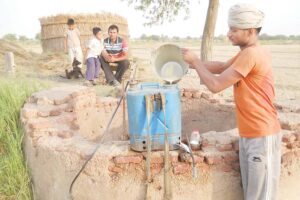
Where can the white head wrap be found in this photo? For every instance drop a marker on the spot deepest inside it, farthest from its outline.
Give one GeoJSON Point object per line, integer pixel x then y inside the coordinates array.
{"type": "Point", "coordinates": [245, 16]}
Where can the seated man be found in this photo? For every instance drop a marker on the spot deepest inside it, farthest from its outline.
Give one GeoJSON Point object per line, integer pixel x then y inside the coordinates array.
{"type": "Point", "coordinates": [115, 51]}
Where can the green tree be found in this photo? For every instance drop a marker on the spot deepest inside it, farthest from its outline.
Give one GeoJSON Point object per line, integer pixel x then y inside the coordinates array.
{"type": "Point", "coordinates": [23, 38]}
{"type": "Point", "coordinates": [38, 36]}
{"type": "Point", "coordinates": [159, 11]}
{"type": "Point", "coordinates": [10, 37]}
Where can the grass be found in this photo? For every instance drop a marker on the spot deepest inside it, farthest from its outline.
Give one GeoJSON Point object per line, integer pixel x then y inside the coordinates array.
{"type": "Point", "coordinates": [14, 178]}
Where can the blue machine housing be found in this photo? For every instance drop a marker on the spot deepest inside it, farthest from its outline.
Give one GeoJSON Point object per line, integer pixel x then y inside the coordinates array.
{"type": "Point", "coordinates": [137, 116]}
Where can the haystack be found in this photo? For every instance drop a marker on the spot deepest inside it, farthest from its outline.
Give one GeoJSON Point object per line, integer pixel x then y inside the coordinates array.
{"type": "Point", "coordinates": [53, 28]}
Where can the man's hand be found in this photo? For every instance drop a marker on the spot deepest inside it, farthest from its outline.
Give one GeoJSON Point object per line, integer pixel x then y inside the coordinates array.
{"type": "Point", "coordinates": [190, 57]}
{"type": "Point", "coordinates": [113, 59]}
{"type": "Point", "coordinates": [106, 56]}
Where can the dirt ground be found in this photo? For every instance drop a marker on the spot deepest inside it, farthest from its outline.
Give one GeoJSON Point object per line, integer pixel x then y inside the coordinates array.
{"type": "Point", "coordinates": [286, 65]}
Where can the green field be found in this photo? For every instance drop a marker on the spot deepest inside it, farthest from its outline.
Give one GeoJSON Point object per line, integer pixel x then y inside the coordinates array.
{"type": "Point", "coordinates": [14, 178]}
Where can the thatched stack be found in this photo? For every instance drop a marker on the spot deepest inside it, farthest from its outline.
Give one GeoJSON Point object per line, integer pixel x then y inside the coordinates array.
{"type": "Point", "coordinates": [53, 28]}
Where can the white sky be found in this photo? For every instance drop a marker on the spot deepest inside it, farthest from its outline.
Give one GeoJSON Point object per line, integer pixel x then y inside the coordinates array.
{"type": "Point", "coordinates": [21, 16]}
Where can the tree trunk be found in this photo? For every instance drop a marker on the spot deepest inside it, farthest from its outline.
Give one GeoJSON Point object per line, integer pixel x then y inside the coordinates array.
{"type": "Point", "coordinates": [209, 29]}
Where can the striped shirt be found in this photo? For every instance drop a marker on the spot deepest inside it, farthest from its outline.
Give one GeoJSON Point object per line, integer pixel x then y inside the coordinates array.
{"type": "Point", "coordinates": [115, 49]}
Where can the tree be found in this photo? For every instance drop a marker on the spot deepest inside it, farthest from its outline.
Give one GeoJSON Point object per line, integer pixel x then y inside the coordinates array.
{"type": "Point", "coordinates": [23, 38]}
{"type": "Point", "coordinates": [159, 11]}
{"type": "Point", "coordinates": [38, 36]}
{"type": "Point", "coordinates": [10, 37]}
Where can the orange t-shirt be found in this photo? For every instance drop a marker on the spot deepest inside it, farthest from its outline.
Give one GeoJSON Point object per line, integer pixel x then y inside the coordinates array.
{"type": "Point", "coordinates": [254, 93]}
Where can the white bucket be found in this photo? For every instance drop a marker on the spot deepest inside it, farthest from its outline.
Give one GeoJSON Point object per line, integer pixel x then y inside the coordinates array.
{"type": "Point", "coordinates": [168, 63]}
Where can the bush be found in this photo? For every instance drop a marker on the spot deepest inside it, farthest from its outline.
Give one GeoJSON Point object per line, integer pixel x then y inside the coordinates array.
{"type": "Point", "coordinates": [10, 37]}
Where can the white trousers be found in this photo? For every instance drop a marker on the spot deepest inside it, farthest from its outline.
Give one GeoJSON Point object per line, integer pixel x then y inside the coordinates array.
{"type": "Point", "coordinates": [75, 52]}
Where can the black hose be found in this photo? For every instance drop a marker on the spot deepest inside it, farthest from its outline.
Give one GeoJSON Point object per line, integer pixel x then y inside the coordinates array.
{"type": "Point", "coordinates": [100, 141]}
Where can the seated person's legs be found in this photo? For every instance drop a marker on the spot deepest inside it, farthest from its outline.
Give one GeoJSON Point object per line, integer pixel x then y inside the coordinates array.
{"type": "Point", "coordinates": [122, 67]}
{"type": "Point", "coordinates": [109, 76]}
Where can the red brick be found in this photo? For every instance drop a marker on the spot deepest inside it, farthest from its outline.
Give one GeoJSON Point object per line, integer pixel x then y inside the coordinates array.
{"type": "Point", "coordinates": [55, 112]}
{"type": "Point", "coordinates": [292, 145]}
{"type": "Point", "coordinates": [297, 153]}
{"type": "Point", "coordinates": [181, 168]}
{"type": "Point", "coordinates": [69, 108]}
{"type": "Point", "coordinates": [74, 126]}
{"type": "Point", "coordinates": [29, 113]}
{"type": "Point", "coordinates": [207, 95]}
{"type": "Point", "coordinates": [44, 101]}
{"type": "Point", "coordinates": [213, 160]}
{"type": "Point", "coordinates": [173, 157]}
{"type": "Point", "coordinates": [39, 124]}
{"type": "Point", "coordinates": [213, 100]}
{"type": "Point", "coordinates": [128, 159]}
{"type": "Point", "coordinates": [235, 145]}
{"type": "Point", "coordinates": [228, 159]}
{"type": "Point", "coordinates": [181, 92]}
{"type": "Point", "coordinates": [224, 147]}
{"type": "Point", "coordinates": [297, 135]}
{"type": "Point", "coordinates": [196, 94]}
{"type": "Point", "coordinates": [157, 160]}
{"type": "Point", "coordinates": [65, 134]}
{"type": "Point", "coordinates": [205, 168]}
{"type": "Point", "coordinates": [61, 101]}
{"type": "Point", "coordinates": [115, 169]}
{"type": "Point", "coordinates": [76, 94]}
{"type": "Point", "coordinates": [187, 94]}
{"type": "Point", "coordinates": [288, 138]}
{"type": "Point", "coordinates": [225, 168]}
{"type": "Point", "coordinates": [208, 142]}
{"type": "Point", "coordinates": [43, 113]}
{"type": "Point", "coordinates": [198, 159]}
{"type": "Point", "coordinates": [287, 158]}
{"type": "Point", "coordinates": [156, 168]}
{"type": "Point", "coordinates": [236, 166]}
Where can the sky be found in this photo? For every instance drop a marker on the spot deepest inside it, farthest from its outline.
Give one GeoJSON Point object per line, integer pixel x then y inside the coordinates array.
{"type": "Point", "coordinates": [21, 16]}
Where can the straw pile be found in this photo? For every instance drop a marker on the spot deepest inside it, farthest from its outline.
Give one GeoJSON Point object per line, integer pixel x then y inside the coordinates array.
{"type": "Point", "coordinates": [19, 52]}
{"type": "Point", "coordinates": [53, 28]}
{"type": "Point", "coordinates": [56, 62]}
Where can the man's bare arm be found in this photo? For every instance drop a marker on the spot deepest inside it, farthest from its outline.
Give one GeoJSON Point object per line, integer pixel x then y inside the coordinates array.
{"type": "Point", "coordinates": [215, 67]}
{"type": "Point", "coordinates": [214, 83]}
{"type": "Point", "coordinates": [122, 57]}
{"type": "Point", "coordinates": [217, 83]}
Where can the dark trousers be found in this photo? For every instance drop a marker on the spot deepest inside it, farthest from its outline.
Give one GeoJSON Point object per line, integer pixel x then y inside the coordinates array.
{"type": "Point", "coordinates": [123, 65]}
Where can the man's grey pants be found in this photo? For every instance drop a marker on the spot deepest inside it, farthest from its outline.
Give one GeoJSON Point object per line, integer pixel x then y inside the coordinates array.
{"type": "Point", "coordinates": [260, 162]}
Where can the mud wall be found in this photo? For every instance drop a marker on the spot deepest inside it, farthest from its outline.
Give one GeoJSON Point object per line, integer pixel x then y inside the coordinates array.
{"type": "Point", "coordinates": [63, 126]}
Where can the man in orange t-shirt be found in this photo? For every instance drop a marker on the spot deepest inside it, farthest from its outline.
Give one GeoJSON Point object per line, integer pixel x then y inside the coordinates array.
{"type": "Point", "coordinates": [250, 73]}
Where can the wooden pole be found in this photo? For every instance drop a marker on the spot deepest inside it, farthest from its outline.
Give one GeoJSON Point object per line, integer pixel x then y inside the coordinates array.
{"type": "Point", "coordinates": [125, 135]}
{"type": "Point", "coordinates": [10, 67]}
